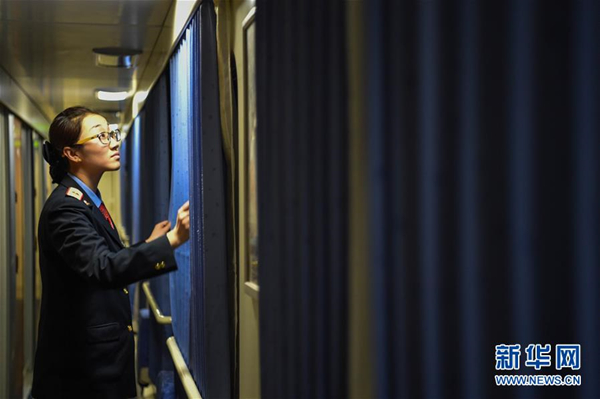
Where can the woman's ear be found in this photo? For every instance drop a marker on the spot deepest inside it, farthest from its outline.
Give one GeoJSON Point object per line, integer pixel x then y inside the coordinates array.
{"type": "Point", "coordinates": [71, 154]}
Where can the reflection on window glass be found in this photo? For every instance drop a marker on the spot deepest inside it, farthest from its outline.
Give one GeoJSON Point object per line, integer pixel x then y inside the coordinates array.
{"type": "Point", "coordinates": [252, 199]}
{"type": "Point", "coordinates": [39, 198]}
{"type": "Point", "coordinates": [16, 130]}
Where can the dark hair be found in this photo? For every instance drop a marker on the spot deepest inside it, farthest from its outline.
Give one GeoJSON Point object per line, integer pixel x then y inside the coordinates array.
{"type": "Point", "coordinates": [64, 132]}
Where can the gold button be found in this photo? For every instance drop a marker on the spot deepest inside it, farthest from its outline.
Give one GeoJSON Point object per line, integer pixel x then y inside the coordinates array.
{"type": "Point", "coordinates": [162, 264]}
{"type": "Point", "coordinates": [125, 290]}
{"type": "Point", "coordinates": [157, 266]}
{"type": "Point", "coordinates": [130, 328]}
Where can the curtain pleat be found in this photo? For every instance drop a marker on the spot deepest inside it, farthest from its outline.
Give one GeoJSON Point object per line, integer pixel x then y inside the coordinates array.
{"type": "Point", "coordinates": [135, 139]}
{"type": "Point", "coordinates": [156, 168]}
{"type": "Point", "coordinates": [521, 192]}
{"type": "Point", "coordinates": [197, 342]}
{"type": "Point", "coordinates": [585, 46]}
{"type": "Point", "coordinates": [181, 123]}
{"type": "Point", "coordinates": [429, 166]}
{"type": "Point", "coordinates": [135, 175]}
{"type": "Point", "coordinates": [146, 158]}
{"type": "Point", "coordinates": [210, 326]}
{"type": "Point", "coordinates": [470, 316]}
{"type": "Point", "coordinates": [126, 183]}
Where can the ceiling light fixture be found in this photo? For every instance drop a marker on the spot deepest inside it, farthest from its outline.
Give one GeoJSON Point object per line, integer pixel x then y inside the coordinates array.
{"type": "Point", "coordinates": [111, 95]}
{"type": "Point", "coordinates": [116, 57]}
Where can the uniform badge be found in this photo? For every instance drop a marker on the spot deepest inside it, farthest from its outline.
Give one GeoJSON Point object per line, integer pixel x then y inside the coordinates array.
{"type": "Point", "coordinates": [75, 193]}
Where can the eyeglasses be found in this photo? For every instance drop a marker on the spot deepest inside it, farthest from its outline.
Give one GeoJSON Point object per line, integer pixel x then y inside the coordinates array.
{"type": "Point", "coordinates": [104, 137]}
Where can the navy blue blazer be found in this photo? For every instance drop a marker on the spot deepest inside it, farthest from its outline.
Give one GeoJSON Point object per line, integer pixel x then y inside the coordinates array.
{"type": "Point", "coordinates": [85, 340]}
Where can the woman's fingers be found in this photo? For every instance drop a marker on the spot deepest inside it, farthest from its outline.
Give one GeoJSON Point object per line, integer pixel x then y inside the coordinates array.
{"type": "Point", "coordinates": [184, 207]}
{"type": "Point", "coordinates": [183, 220]}
{"type": "Point", "coordinates": [159, 229]}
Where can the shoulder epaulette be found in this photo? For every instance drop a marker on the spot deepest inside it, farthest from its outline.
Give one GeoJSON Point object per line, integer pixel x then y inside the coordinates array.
{"type": "Point", "coordinates": [75, 193]}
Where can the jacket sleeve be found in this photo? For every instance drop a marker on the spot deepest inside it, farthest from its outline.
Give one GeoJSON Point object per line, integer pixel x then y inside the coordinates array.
{"type": "Point", "coordinates": [86, 252]}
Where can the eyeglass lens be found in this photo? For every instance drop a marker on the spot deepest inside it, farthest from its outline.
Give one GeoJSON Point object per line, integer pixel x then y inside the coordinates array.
{"type": "Point", "coordinates": [114, 135]}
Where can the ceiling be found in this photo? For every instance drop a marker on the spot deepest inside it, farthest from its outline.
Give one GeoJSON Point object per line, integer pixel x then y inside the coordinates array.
{"type": "Point", "coordinates": [46, 48]}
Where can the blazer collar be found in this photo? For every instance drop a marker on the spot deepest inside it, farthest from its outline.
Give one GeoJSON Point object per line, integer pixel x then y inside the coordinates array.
{"type": "Point", "coordinates": [67, 182]}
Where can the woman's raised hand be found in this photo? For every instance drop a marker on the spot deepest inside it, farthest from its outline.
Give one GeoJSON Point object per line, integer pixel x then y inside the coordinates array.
{"type": "Point", "coordinates": [181, 233]}
{"type": "Point", "coordinates": [159, 230]}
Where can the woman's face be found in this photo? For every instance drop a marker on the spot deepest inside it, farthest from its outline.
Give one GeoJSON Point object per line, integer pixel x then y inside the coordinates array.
{"type": "Point", "coordinates": [95, 156]}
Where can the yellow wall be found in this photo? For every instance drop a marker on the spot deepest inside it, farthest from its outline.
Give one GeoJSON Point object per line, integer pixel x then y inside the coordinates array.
{"type": "Point", "coordinates": [249, 366]}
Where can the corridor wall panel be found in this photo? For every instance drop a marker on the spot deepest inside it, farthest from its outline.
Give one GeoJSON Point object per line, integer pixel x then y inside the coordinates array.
{"type": "Point", "coordinates": [6, 252]}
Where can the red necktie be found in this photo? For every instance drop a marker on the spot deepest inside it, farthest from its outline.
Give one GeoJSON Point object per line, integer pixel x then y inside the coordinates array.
{"type": "Point", "coordinates": [106, 215]}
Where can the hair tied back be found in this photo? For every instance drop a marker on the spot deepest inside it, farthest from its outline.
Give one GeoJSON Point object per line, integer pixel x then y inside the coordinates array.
{"type": "Point", "coordinates": [58, 165]}
{"type": "Point", "coordinates": [49, 152]}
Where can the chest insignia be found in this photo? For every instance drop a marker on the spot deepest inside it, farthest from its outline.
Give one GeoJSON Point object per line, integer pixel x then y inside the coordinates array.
{"type": "Point", "coordinates": [75, 193]}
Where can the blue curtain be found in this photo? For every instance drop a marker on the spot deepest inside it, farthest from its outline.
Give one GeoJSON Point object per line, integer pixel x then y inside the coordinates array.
{"type": "Point", "coordinates": [126, 197]}
{"type": "Point", "coordinates": [155, 149]}
{"type": "Point", "coordinates": [302, 138]}
{"type": "Point", "coordinates": [136, 177]}
{"type": "Point", "coordinates": [181, 124]}
{"type": "Point", "coordinates": [210, 315]}
{"type": "Point", "coordinates": [199, 294]}
{"type": "Point", "coordinates": [484, 190]}
{"type": "Point", "coordinates": [147, 159]}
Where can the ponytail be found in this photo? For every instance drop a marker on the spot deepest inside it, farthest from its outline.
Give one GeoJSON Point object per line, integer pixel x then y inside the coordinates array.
{"type": "Point", "coordinates": [59, 166]}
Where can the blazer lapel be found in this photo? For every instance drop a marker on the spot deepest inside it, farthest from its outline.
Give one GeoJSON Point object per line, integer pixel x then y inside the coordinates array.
{"type": "Point", "coordinates": [69, 182]}
{"type": "Point", "coordinates": [113, 232]}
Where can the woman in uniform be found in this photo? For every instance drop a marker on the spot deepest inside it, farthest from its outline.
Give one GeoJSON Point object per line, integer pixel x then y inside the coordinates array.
{"type": "Point", "coordinates": [85, 342]}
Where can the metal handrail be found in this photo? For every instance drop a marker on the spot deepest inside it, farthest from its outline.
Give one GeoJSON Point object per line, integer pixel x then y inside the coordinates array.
{"type": "Point", "coordinates": [189, 385]}
{"type": "Point", "coordinates": [160, 318]}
